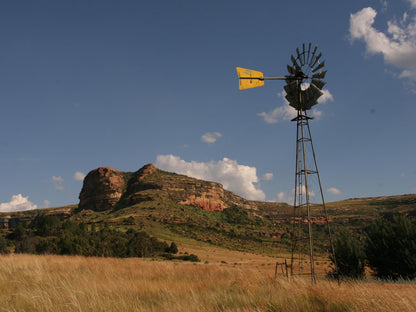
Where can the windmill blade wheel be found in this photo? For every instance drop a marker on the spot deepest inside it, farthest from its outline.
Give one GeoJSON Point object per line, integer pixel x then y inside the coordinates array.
{"type": "Point", "coordinates": [305, 79]}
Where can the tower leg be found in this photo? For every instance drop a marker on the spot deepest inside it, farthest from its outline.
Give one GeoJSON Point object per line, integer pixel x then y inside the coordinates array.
{"type": "Point", "coordinates": [303, 219]}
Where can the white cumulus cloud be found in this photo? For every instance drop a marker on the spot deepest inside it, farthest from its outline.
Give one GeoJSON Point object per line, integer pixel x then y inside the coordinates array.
{"type": "Point", "coordinates": [281, 197]}
{"type": "Point", "coordinates": [412, 3]}
{"type": "Point", "coordinates": [302, 190]}
{"type": "Point", "coordinates": [268, 176]}
{"type": "Point", "coordinates": [397, 44]}
{"type": "Point", "coordinates": [334, 191]}
{"type": "Point", "coordinates": [326, 97]}
{"type": "Point", "coordinates": [78, 176]}
{"type": "Point", "coordinates": [58, 183]}
{"type": "Point", "coordinates": [18, 203]}
{"type": "Point", "coordinates": [210, 137]}
{"type": "Point", "coordinates": [233, 176]}
{"type": "Point", "coordinates": [284, 112]}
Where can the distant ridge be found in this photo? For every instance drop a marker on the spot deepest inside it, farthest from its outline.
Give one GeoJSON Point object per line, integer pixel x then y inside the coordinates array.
{"type": "Point", "coordinates": [178, 208]}
{"type": "Point", "coordinates": [105, 188]}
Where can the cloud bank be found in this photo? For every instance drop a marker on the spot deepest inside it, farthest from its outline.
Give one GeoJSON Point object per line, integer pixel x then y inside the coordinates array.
{"type": "Point", "coordinates": [397, 44]}
{"type": "Point", "coordinates": [234, 177]}
{"type": "Point", "coordinates": [18, 203]}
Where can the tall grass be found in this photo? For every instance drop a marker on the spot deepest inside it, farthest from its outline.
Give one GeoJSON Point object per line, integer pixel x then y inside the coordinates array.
{"type": "Point", "coordinates": [61, 283]}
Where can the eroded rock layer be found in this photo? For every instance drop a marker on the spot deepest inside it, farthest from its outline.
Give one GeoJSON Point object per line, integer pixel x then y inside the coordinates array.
{"type": "Point", "coordinates": [106, 188]}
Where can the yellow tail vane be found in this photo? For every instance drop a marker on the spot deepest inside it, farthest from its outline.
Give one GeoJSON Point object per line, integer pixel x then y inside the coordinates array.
{"type": "Point", "coordinates": [249, 78]}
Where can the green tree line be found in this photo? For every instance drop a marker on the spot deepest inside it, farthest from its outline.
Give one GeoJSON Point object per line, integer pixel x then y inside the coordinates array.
{"type": "Point", "coordinates": [388, 248]}
{"type": "Point", "coordinates": [50, 235]}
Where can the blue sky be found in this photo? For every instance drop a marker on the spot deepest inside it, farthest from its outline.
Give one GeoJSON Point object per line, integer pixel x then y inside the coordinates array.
{"type": "Point", "coordinates": [86, 84]}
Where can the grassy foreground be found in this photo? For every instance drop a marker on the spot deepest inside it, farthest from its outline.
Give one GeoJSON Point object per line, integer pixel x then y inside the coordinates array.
{"type": "Point", "coordinates": [63, 283]}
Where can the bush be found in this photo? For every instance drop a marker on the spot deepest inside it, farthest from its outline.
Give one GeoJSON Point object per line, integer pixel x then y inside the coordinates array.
{"type": "Point", "coordinates": [49, 235]}
{"type": "Point", "coordinates": [172, 248]}
{"type": "Point", "coordinates": [391, 248]}
{"type": "Point", "coordinates": [191, 257]}
{"type": "Point", "coordinates": [46, 225]}
{"type": "Point", "coordinates": [236, 215]}
{"type": "Point", "coordinates": [349, 256]}
{"type": "Point", "coordinates": [3, 246]}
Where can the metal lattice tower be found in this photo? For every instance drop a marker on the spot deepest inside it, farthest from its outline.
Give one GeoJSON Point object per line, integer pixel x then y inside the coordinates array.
{"type": "Point", "coordinates": [306, 212]}
{"type": "Point", "coordinates": [303, 88]}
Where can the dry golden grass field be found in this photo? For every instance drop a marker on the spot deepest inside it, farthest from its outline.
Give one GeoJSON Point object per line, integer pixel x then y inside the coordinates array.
{"type": "Point", "coordinates": [239, 282]}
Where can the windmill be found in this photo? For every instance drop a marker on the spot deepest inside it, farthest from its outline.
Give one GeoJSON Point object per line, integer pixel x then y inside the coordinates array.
{"type": "Point", "coordinates": [304, 84]}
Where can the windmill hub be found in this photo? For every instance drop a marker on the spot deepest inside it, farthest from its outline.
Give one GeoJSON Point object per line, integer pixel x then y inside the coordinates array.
{"type": "Point", "coordinates": [300, 75]}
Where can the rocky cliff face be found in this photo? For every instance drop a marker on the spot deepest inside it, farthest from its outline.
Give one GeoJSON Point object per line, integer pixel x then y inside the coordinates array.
{"type": "Point", "coordinates": [105, 188]}
{"type": "Point", "coordinates": [9, 220]}
{"type": "Point", "coordinates": [102, 189]}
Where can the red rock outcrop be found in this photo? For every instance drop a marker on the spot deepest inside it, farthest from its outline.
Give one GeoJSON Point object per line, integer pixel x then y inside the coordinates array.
{"type": "Point", "coordinates": [209, 201]}
{"type": "Point", "coordinates": [102, 189]}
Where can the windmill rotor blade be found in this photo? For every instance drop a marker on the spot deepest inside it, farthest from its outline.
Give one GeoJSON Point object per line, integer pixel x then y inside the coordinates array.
{"type": "Point", "coordinates": [299, 56]}
{"type": "Point", "coordinates": [316, 59]}
{"type": "Point", "coordinates": [293, 102]}
{"type": "Point", "coordinates": [303, 54]}
{"type": "Point", "coordinates": [320, 75]}
{"type": "Point", "coordinates": [291, 92]}
{"type": "Point", "coordinates": [310, 97]}
{"type": "Point", "coordinates": [313, 55]}
{"type": "Point", "coordinates": [307, 100]}
{"type": "Point", "coordinates": [315, 92]}
{"type": "Point", "coordinates": [294, 62]}
{"type": "Point", "coordinates": [318, 67]}
{"type": "Point", "coordinates": [291, 70]}
{"type": "Point", "coordinates": [295, 105]}
{"type": "Point", "coordinates": [292, 97]}
{"type": "Point", "coordinates": [318, 83]}
{"type": "Point", "coordinates": [291, 87]}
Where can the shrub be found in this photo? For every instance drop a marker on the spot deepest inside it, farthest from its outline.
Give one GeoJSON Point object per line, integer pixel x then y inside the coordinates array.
{"type": "Point", "coordinates": [391, 247]}
{"type": "Point", "coordinates": [172, 248]}
{"type": "Point", "coordinates": [3, 246]}
{"type": "Point", "coordinates": [349, 256]}
{"type": "Point", "coordinates": [49, 235]}
{"type": "Point", "coordinates": [46, 225]}
{"type": "Point", "coordinates": [236, 215]}
{"type": "Point", "coordinates": [191, 257]}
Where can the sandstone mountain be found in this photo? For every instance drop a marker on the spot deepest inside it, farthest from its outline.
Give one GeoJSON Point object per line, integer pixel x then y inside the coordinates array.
{"type": "Point", "coordinates": [106, 188]}
{"type": "Point", "coordinates": [178, 208]}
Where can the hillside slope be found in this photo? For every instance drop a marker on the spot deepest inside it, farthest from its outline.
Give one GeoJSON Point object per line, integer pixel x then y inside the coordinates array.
{"type": "Point", "coordinates": [182, 209]}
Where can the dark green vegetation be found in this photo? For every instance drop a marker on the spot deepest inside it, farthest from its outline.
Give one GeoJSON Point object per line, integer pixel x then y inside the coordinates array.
{"type": "Point", "coordinates": [349, 256]}
{"type": "Point", "coordinates": [47, 234]}
{"type": "Point", "coordinates": [391, 247]}
{"type": "Point", "coordinates": [388, 248]}
{"type": "Point", "coordinates": [161, 206]}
